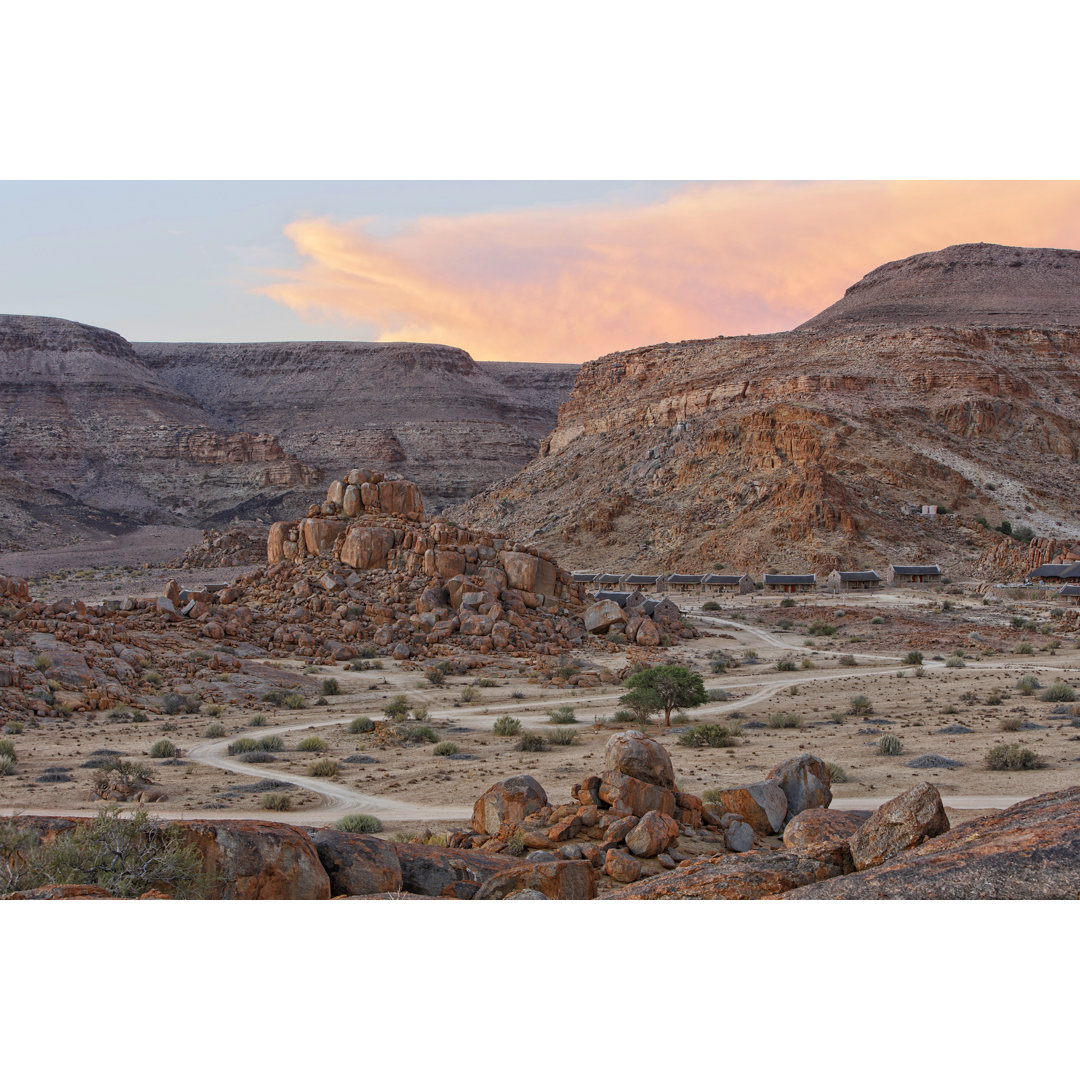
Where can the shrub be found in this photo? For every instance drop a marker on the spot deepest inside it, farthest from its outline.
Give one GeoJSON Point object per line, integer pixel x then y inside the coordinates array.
{"type": "Point", "coordinates": [485, 683]}
{"type": "Point", "coordinates": [294, 701]}
{"type": "Point", "coordinates": [714, 735]}
{"type": "Point", "coordinates": [173, 703]}
{"type": "Point", "coordinates": [435, 675]}
{"type": "Point", "coordinates": [271, 743]}
{"type": "Point", "coordinates": [257, 757]}
{"type": "Point", "coordinates": [8, 747]}
{"type": "Point", "coordinates": [42, 662]}
{"type": "Point", "coordinates": [468, 695]}
{"type": "Point", "coordinates": [506, 725]}
{"type": "Point", "coordinates": [665, 688]}
{"type": "Point", "coordinates": [275, 800]}
{"type": "Point", "coordinates": [242, 746]}
{"type": "Point", "coordinates": [397, 708]}
{"type": "Point", "coordinates": [423, 733]}
{"type": "Point", "coordinates": [516, 845]}
{"type": "Point", "coordinates": [860, 706]}
{"type": "Point", "coordinates": [274, 697]}
{"type": "Point", "coordinates": [787, 602]}
{"type": "Point", "coordinates": [564, 737]}
{"type": "Point", "coordinates": [716, 694]}
{"type": "Point", "coordinates": [330, 687]}
{"type": "Point", "coordinates": [1009, 723]}
{"type": "Point", "coordinates": [955, 662]}
{"type": "Point", "coordinates": [994, 697]}
{"type": "Point", "coordinates": [564, 714]}
{"type": "Point", "coordinates": [785, 665]}
{"type": "Point", "coordinates": [1028, 684]}
{"type": "Point", "coordinates": [445, 749]}
{"type": "Point", "coordinates": [890, 745]}
{"type": "Point", "coordinates": [361, 823]}
{"type": "Point", "coordinates": [163, 748]}
{"type": "Point", "coordinates": [784, 720]}
{"type": "Point", "coordinates": [877, 620]}
{"type": "Point", "coordinates": [258, 720]}
{"type": "Point", "coordinates": [807, 664]}
{"type": "Point", "coordinates": [361, 725]}
{"type": "Point", "coordinates": [324, 767]}
{"type": "Point", "coordinates": [311, 744]}
{"type": "Point", "coordinates": [14, 727]}
{"type": "Point", "coordinates": [530, 743]}
{"type": "Point", "coordinates": [914, 658]}
{"type": "Point", "coordinates": [1058, 690]}
{"type": "Point", "coordinates": [718, 667]}
{"type": "Point", "coordinates": [214, 710]}
{"type": "Point", "coordinates": [820, 628]}
{"type": "Point", "coordinates": [1013, 758]}
{"type": "Point", "coordinates": [712, 794]}
{"type": "Point", "coordinates": [420, 712]}
{"type": "Point", "coordinates": [1025, 648]}
{"type": "Point", "coordinates": [517, 695]}
{"type": "Point", "coordinates": [7, 765]}
{"type": "Point", "coordinates": [848, 660]}
{"type": "Point", "coordinates": [710, 605]}
{"type": "Point", "coordinates": [837, 773]}
{"type": "Point", "coordinates": [793, 690]}
{"type": "Point", "coordinates": [152, 677]}
{"type": "Point", "coordinates": [124, 856]}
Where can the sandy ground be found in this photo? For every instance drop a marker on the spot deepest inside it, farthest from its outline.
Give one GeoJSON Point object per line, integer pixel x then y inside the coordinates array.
{"type": "Point", "coordinates": [408, 786]}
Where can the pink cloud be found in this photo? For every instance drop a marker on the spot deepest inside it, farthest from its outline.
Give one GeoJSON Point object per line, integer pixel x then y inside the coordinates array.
{"type": "Point", "coordinates": [564, 285]}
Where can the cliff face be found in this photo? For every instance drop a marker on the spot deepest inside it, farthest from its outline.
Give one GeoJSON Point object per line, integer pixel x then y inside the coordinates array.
{"type": "Point", "coordinates": [811, 449]}
{"type": "Point", "coordinates": [100, 435]}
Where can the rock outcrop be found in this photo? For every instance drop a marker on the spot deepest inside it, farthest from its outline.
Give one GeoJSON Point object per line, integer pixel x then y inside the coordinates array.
{"type": "Point", "coordinates": [951, 378]}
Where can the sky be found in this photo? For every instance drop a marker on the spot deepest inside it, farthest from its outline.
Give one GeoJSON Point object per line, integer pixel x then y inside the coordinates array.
{"type": "Point", "coordinates": [558, 272]}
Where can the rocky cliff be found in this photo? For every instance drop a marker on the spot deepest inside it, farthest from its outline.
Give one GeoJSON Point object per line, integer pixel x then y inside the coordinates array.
{"type": "Point", "coordinates": [100, 435]}
{"type": "Point", "coordinates": [949, 379]}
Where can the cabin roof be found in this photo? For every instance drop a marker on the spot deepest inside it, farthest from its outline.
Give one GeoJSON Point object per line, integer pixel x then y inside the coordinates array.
{"type": "Point", "coordinates": [790, 579]}
{"type": "Point", "coordinates": [920, 570]}
{"type": "Point", "coordinates": [859, 575]}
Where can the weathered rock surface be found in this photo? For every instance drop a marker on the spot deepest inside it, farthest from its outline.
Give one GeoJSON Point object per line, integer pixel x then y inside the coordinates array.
{"type": "Point", "coordinates": [438, 871]}
{"type": "Point", "coordinates": [728, 877]}
{"type": "Point", "coordinates": [60, 892]}
{"type": "Point", "coordinates": [1030, 851]}
{"type": "Point", "coordinates": [561, 880]}
{"type": "Point", "coordinates": [763, 806]}
{"type": "Point", "coordinates": [805, 783]}
{"type": "Point", "coordinates": [631, 753]}
{"type": "Point", "coordinates": [901, 823]}
{"type": "Point", "coordinates": [651, 835]}
{"type": "Point", "coordinates": [507, 802]}
{"type": "Point", "coordinates": [823, 834]}
{"type": "Point", "coordinates": [357, 864]}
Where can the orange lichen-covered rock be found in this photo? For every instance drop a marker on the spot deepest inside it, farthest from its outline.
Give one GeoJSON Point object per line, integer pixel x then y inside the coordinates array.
{"type": "Point", "coordinates": [823, 834]}
{"type": "Point", "coordinates": [632, 754]}
{"type": "Point", "coordinates": [763, 806]}
{"type": "Point", "coordinates": [431, 870]}
{"type": "Point", "coordinates": [621, 866]}
{"type": "Point", "coordinates": [628, 795]}
{"type": "Point", "coordinates": [366, 547]}
{"type": "Point", "coordinates": [507, 802]}
{"type": "Point", "coordinates": [728, 877]}
{"type": "Point", "coordinates": [258, 860]}
{"type": "Point", "coordinates": [357, 864]}
{"type": "Point", "coordinates": [901, 823]}
{"type": "Point", "coordinates": [652, 834]}
{"type": "Point", "coordinates": [805, 782]}
{"type": "Point", "coordinates": [569, 879]}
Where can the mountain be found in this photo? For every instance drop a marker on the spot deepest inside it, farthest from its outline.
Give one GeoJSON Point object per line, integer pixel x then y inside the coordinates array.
{"type": "Point", "coordinates": [951, 378]}
{"type": "Point", "coordinates": [99, 435]}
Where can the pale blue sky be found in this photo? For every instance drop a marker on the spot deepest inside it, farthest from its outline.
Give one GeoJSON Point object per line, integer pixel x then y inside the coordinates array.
{"type": "Point", "coordinates": [176, 261]}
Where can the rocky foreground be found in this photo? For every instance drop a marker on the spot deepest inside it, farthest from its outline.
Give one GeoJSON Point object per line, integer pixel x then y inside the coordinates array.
{"type": "Point", "coordinates": [631, 835]}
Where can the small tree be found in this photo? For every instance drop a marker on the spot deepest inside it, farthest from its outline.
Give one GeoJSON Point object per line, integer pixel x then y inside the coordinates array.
{"type": "Point", "coordinates": [674, 687]}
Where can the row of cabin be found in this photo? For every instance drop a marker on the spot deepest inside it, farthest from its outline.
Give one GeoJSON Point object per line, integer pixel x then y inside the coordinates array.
{"type": "Point", "coordinates": [837, 581]}
{"type": "Point", "coordinates": [659, 609]}
{"type": "Point", "coordinates": [1065, 574]}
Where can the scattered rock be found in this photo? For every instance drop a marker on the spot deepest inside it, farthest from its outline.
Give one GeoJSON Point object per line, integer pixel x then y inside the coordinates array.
{"type": "Point", "coordinates": [901, 823]}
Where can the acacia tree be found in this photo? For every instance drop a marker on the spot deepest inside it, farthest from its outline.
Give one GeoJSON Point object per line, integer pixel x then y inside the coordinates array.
{"type": "Point", "coordinates": [670, 686]}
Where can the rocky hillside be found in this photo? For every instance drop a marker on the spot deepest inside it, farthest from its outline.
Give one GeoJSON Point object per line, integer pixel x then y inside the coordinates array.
{"type": "Point", "coordinates": [100, 435]}
{"type": "Point", "coordinates": [951, 378]}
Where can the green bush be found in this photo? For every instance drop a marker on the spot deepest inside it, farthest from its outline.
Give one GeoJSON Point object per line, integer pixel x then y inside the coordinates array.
{"type": "Point", "coordinates": [784, 720]}
{"type": "Point", "coordinates": [1058, 690]}
{"type": "Point", "coordinates": [397, 708]}
{"type": "Point", "coordinates": [860, 705]}
{"type": "Point", "coordinates": [718, 666]}
{"type": "Point", "coordinates": [258, 720]}
{"type": "Point", "coordinates": [820, 628]}
{"type": "Point", "coordinates": [530, 743]}
{"type": "Point", "coordinates": [275, 800]}
{"type": "Point", "coordinates": [294, 701]}
{"type": "Point", "coordinates": [271, 743]}
{"type": "Point", "coordinates": [564, 737]}
{"type": "Point", "coordinates": [710, 605]}
{"type": "Point", "coordinates": [8, 747]}
{"type": "Point", "coordinates": [214, 731]}
{"type": "Point", "coordinates": [359, 823]}
{"type": "Point", "coordinates": [242, 746]}
{"type": "Point", "coordinates": [163, 748]}
{"type": "Point", "coordinates": [994, 697]}
{"type": "Point", "coordinates": [1009, 723]}
{"type": "Point", "coordinates": [564, 714]}
{"type": "Point", "coordinates": [877, 620]}
{"type": "Point", "coordinates": [7, 765]}
{"type": "Point", "coordinates": [445, 749]}
{"type": "Point", "coordinates": [516, 845]}
{"type": "Point", "coordinates": [1013, 758]}
{"type": "Point", "coordinates": [837, 773]}
{"type": "Point", "coordinates": [955, 662]}
{"type": "Point", "coordinates": [1025, 648]}
{"type": "Point", "coordinates": [436, 675]}
{"type": "Point", "coordinates": [506, 725]}
{"type": "Point", "coordinates": [848, 660]}
{"type": "Point", "coordinates": [361, 725]}
{"type": "Point", "coordinates": [419, 734]}
{"type": "Point", "coordinates": [330, 687]}
{"type": "Point", "coordinates": [1028, 684]}
{"type": "Point", "coordinates": [486, 684]}
{"type": "Point", "coordinates": [420, 712]}
{"type": "Point", "coordinates": [274, 697]}
{"type": "Point", "coordinates": [311, 744]}
{"type": "Point", "coordinates": [468, 695]}
{"type": "Point", "coordinates": [890, 745]}
{"type": "Point", "coordinates": [787, 602]}
{"type": "Point", "coordinates": [913, 659]}
{"type": "Point", "coordinates": [15, 727]}
{"type": "Point", "coordinates": [702, 735]}
{"type": "Point", "coordinates": [717, 694]}
{"type": "Point", "coordinates": [712, 795]}
{"type": "Point", "coordinates": [173, 703]}
{"type": "Point", "coordinates": [324, 767]}
{"type": "Point", "coordinates": [42, 662]}
{"type": "Point", "coordinates": [785, 665]}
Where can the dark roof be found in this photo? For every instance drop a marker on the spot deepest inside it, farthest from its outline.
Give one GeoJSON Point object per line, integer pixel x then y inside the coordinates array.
{"type": "Point", "coordinates": [580, 576]}
{"type": "Point", "coordinates": [722, 579]}
{"type": "Point", "coordinates": [790, 579]}
{"type": "Point", "coordinates": [859, 575]}
{"type": "Point", "coordinates": [1069, 590]}
{"type": "Point", "coordinates": [620, 598]}
{"type": "Point", "coordinates": [1056, 570]}
{"type": "Point", "coordinates": [920, 570]}
{"type": "Point", "coordinates": [641, 579]}
{"type": "Point", "coordinates": [607, 579]}
{"type": "Point", "coordinates": [686, 579]}
{"type": "Point", "coordinates": [649, 606]}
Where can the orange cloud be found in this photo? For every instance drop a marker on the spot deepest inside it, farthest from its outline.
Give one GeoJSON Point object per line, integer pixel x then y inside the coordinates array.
{"type": "Point", "coordinates": [567, 284]}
